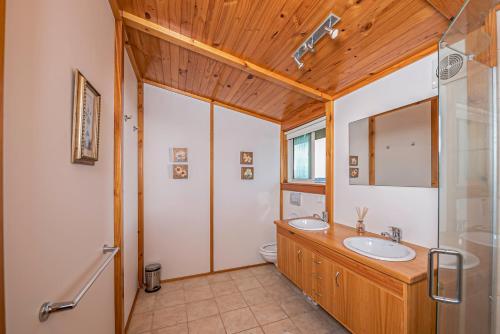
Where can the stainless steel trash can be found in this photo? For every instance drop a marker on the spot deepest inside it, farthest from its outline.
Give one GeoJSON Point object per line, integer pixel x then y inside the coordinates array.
{"type": "Point", "coordinates": [153, 279]}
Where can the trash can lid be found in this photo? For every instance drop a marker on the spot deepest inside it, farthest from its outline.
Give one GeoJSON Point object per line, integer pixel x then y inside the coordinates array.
{"type": "Point", "coordinates": [153, 267]}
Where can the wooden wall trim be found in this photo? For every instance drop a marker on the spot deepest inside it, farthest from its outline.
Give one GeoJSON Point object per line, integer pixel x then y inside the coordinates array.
{"type": "Point", "coordinates": [371, 150]}
{"type": "Point", "coordinates": [211, 187]}
{"type": "Point", "coordinates": [140, 183]}
{"type": "Point", "coordinates": [127, 325]}
{"type": "Point", "coordinates": [209, 100]}
{"type": "Point", "coordinates": [2, 59]}
{"type": "Point", "coordinates": [191, 44]}
{"type": "Point", "coordinates": [283, 166]}
{"type": "Point", "coordinates": [133, 62]}
{"type": "Point", "coordinates": [118, 178]}
{"type": "Point", "coordinates": [115, 8]}
{"type": "Point", "coordinates": [435, 142]}
{"type": "Point", "coordinates": [304, 188]}
{"type": "Point", "coordinates": [329, 191]}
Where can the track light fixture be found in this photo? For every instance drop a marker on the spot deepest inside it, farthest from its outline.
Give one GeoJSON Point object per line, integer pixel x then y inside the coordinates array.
{"type": "Point", "coordinates": [309, 45]}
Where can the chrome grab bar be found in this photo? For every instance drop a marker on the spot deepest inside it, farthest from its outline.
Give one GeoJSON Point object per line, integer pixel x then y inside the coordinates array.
{"type": "Point", "coordinates": [49, 307]}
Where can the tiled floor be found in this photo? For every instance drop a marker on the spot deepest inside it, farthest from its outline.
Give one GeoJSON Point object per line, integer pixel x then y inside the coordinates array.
{"type": "Point", "coordinates": [250, 301]}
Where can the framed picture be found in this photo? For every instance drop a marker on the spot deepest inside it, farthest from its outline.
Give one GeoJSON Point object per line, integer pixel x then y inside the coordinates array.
{"type": "Point", "coordinates": [86, 118]}
{"type": "Point", "coordinates": [353, 160]}
{"type": "Point", "coordinates": [246, 158]}
{"type": "Point", "coordinates": [180, 154]}
{"type": "Point", "coordinates": [247, 173]}
{"type": "Point", "coordinates": [180, 172]}
{"type": "Point", "coordinates": [353, 173]}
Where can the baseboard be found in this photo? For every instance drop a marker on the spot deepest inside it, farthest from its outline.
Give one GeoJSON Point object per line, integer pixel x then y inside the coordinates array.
{"type": "Point", "coordinates": [214, 272]}
{"type": "Point", "coordinates": [131, 310]}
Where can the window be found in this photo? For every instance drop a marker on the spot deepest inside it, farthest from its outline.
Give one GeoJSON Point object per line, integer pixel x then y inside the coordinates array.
{"type": "Point", "coordinates": [307, 153]}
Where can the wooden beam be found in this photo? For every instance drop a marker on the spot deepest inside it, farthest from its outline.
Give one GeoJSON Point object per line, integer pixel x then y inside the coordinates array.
{"type": "Point", "coordinates": [211, 187]}
{"type": "Point", "coordinates": [132, 59]}
{"type": "Point", "coordinates": [140, 183]}
{"type": "Point", "coordinates": [118, 177]}
{"type": "Point", "coordinates": [115, 8]}
{"type": "Point", "coordinates": [448, 8]}
{"type": "Point", "coordinates": [208, 100]}
{"type": "Point", "coordinates": [2, 59]}
{"type": "Point", "coordinates": [329, 190]}
{"type": "Point", "coordinates": [309, 188]}
{"type": "Point", "coordinates": [191, 44]}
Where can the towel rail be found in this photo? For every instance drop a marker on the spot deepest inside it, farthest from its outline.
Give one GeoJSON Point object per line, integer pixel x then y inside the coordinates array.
{"type": "Point", "coordinates": [49, 307]}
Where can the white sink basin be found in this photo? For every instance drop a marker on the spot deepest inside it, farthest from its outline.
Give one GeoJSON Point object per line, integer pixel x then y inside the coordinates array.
{"type": "Point", "coordinates": [481, 238]}
{"type": "Point", "coordinates": [379, 249]}
{"type": "Point", "coordinates": [308, 224]}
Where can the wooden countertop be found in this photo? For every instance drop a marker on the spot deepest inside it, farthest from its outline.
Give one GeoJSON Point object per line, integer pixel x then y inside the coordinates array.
{"type": "Point", "coordinates": [408, 272]}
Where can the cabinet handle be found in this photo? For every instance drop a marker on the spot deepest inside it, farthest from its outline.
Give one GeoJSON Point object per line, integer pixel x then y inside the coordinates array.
{"type": "Point", "coordinates": [319, 277]}
{"type": "Point", "coordinates": [318, 294]}
{"type": "Point", "coordinates": [337, 275]}
{"type": "Point", "coordinates": [299, 254]}
{"type": "Point", "coordinates": [317, 262]}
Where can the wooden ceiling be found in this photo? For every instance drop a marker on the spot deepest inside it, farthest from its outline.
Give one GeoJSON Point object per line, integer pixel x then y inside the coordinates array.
{"type": "Point", "coordinates": [374, 35]}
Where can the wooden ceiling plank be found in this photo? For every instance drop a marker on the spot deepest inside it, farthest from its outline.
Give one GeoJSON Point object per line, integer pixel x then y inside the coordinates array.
{"type": "Point", "coordinates": [174, 65]}
{"type": "Point", "coordinates": [183, 67]}
{"type": "Point", "coordinates": [165, 61]}
{"type": "Point", "coordinates": [191, 70]}
{"type": "Point", "coordinates": [211, 52]}
{"type": "Point", "coordinates": [447, 8]}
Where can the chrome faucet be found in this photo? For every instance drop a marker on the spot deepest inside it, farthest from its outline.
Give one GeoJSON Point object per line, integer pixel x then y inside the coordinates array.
{"type": "Point", "coordinates": [323, 217]}
{"type": "Point", "coordinates": [395, 235]}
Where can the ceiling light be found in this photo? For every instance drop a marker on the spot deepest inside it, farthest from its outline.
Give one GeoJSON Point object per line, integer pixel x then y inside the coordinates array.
{"type": "Point", "coordinates": [300, 64]}
{"type": "Point", "coordinates": [333, 33]}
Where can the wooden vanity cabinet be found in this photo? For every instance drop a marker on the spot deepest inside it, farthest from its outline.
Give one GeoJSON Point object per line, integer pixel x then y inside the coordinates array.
{"type": "Point", "coordinates": [363, 299]}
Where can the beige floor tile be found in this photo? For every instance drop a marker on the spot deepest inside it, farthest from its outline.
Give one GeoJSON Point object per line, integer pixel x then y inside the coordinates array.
{"type": "Point", "coordinates": [230, 302]}
{"type": "Point", "coordinates": [198, 293]}
{"type": "Point", "coordinates": [242, 273]}
{"type": "Point", "coordinates": [256, 330]}
{"type": "Point", "coordinates": [280, 291]}
{"type": "Point", "coordinates": [170, 316]}
{"type": "Point", "coordinates": [295, 305]}
{"type": "Point", "coordinates": [195, 282]}
{"type": "Point", "coordinates": [140, 323]}
{"type": "Point", "coordinates": [285, 326]}
{"type": "Point", "coordinates": [171, 298]}
{"type": "Point", "coordinates": [257, 296]}
{"type": "Point", "coordinates": [247, 283]}
{"type": "Point", "coordinates": [268, 279]}
{"type": "Point", "coordinates": [313, 322]}
{"type": "Point", "coordinates": [201, 309]}
{"type": "Point", "coordinates": [267, 313]}
{"type": "Point", "coordinates": [239, 320]}
{"type": "Point", "coordinates": [224, 288]}
{"type": "Point", "coordinates": [218, 277]}
{"type": "Point", "coordinates": [177, 329]}
{"type": "Point", "coordinates": [266, 269]}
{"type": "Point", "coordinates": [210, 325]}
{"type": "Point", "coordinates": [145, 304]}
{"type": "Point", "coordinates": [171, 286]}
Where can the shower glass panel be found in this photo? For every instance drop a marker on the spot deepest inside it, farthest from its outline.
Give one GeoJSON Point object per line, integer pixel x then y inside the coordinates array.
{"type": "Point", "coordinates": [469, 155]}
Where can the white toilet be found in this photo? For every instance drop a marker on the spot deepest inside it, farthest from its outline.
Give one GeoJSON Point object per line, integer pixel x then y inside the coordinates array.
{"type": "Point", "coordinates": [269, 252]}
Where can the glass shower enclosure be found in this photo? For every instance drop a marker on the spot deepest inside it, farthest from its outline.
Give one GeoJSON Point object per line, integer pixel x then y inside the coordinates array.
{"type": "Point", "coordinates": [463, 270]}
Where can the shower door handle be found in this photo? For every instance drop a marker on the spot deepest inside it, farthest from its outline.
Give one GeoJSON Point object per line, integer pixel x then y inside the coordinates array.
{"type": "Point", "coordinates": [459, 271]}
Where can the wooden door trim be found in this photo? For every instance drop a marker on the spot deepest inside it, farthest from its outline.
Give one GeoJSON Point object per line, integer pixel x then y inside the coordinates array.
{"type": "Point", "coordinates": [118, 178]}
{"type": "Point", "coordinates": [330, 152]}
{"type": "Point", "coordinates": [2, 83]}
{"type": "Point", "coordinates": [140, 183]}
{"type": "Point", "coordinates": [211, 187]}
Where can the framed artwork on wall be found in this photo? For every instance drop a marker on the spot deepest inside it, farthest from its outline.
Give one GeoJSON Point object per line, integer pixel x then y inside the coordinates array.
{"type": "Point", "coordinates": [180, 172]}
{"type": "Point", "coordinates": [86, 119]}
{"type": "Point", "coordinates": [247, 173]}
{"type": "Point", "coordinates": [353, 160]}
{"type": "Point", "coordinates": [180, 154]}
{"type": "Point", "coordinates": [353, 173]}
{"type": "Point", "coordinates": [246, 158]}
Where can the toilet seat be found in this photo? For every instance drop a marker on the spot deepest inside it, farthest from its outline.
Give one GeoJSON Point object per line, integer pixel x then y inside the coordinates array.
{"type": "Point", "coordinates": [269, 248]}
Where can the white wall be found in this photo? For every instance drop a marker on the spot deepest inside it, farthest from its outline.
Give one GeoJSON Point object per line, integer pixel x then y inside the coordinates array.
{"type": "Point", "coordinates": [415, 210]}
{"type": "Point", "coordinates": [310, 204]}
{"type": "Point", "coordinates": [58, 215]}
{"type": "Point", "coordinates": [244, 210]}
{"type": "Point", "coordinates": [130, 176]}
{"type": "Point", "coordinates": [176, 212]}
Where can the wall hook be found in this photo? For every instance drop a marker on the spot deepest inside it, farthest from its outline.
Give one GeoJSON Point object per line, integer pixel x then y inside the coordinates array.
{"type": "Point", "coordinates": [127, 117]}
{"type": "Point", "coordinates": [135, 128]}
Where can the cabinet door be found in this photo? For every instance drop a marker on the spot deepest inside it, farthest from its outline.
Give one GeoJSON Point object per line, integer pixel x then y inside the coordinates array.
{"type": "Point", "coordinates": [286, 256]}
{"type": "Point", "coordinates": [369, 308]}
{"type": "Point", "coordinates": [304, 268]}
{"type": "Point", "coordinates": [321, 281]}
{"type": "Point", "coordinates": [338, 297]}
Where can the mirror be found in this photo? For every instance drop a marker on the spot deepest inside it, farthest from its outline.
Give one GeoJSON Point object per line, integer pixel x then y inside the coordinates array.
{"type": "Point", "coordinates": [396, 148]}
